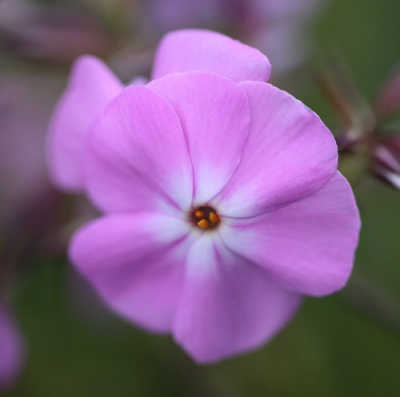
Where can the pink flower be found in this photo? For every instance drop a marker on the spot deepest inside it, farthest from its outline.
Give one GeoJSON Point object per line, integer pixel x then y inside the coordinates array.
{"type": "Point", "coordinates": [10, 350]}
{"type": "Point", "coordinates": [221, 199]}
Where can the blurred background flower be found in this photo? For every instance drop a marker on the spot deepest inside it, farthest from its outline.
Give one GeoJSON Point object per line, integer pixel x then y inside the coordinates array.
{"type": "Point", "coordinates": [280, 29]}
{"type": "Point", "coordinates": [23, 130]}
{"type": "Point", "coordinates": [11, 349]}
{"type": "Point", "coordinates": [58, 33]}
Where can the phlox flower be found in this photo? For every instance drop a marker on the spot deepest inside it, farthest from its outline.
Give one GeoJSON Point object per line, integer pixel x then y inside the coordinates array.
{"type": "Point", "coordinates": [222, 205]}
{"type": "Point", "coordinates": [11, 351]}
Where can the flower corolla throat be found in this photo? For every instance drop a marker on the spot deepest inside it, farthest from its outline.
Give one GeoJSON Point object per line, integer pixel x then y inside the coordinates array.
{"type": "Point", "coordinates": [205, 218]}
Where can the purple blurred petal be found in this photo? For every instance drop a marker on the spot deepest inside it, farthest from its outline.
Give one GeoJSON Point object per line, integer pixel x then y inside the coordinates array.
{"type": "Point", "coordinates": [163, 16]}
{"type": "Point", "coordinates": [388, 99]}
{"type": "Point", "coordinates": [56, 33]}
{"type": "Point", "coordinates": [278, 10]}
{"type": "Point", "coordinates": [23, 171]}
{"type": "Point", "coordinates": [286, 44]}
{"type": "Point", "coordinates": [11, 350]}
{"type": "Point", "coordinates": [386, 160]}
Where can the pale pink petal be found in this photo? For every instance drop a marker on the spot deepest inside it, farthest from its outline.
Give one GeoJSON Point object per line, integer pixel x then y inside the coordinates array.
{"type": "Point", "coordinates": [11, 350]}
{"type": "Point", "coordinates": [136, 264]}
{"type": "Point", "coordinates": [308, 245]}
{"type": "Point", "coordinates": [137, 157]}
{"type": "Point", "coordinates": [202, 50]}
{"type": "Point", "coordinates": [214, 115]}
{"type": "Point", "coordinates": [229, 305]}
{"type": "Point", "coordinates": [92, 86]}
{"type": "Point", "coordinates": [290, 154]}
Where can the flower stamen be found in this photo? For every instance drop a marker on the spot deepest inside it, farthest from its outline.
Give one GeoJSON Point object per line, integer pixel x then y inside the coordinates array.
{"type": "Point", "coordinates": [205, 218]}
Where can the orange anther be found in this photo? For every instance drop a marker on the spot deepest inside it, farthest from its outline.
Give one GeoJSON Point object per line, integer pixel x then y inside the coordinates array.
{"type": "Point", "coordinates": [214, 218]}
{"type": "Point", "coordinates": [203, 224]}
{"type": "Point", "coordinates": [199, 214]}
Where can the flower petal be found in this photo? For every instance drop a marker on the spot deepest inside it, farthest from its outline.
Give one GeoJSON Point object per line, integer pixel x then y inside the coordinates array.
{"type": "Point", "coordinates": [137, 157]}
{"type": "Point", "coordinates": [136, 263]}
{"type": "Point", "coordinates": [92, 86]}
{"type": "Point", "coordinates": [229, 305]}
{"type": "Point", "coordinates": [214, 116]}
{"type": "Point", "coordinates": [11, 350]}
{"type": "Point", "coordinates": [308, 245]}
{"type": "Point", "coordinates": [201, 50]}
{"type": "Point", "coordinates": [290, 154]}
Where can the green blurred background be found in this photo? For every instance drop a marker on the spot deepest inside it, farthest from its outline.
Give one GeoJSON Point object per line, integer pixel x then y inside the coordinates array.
{"type": "Point", "coordinates": [344, 345]}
